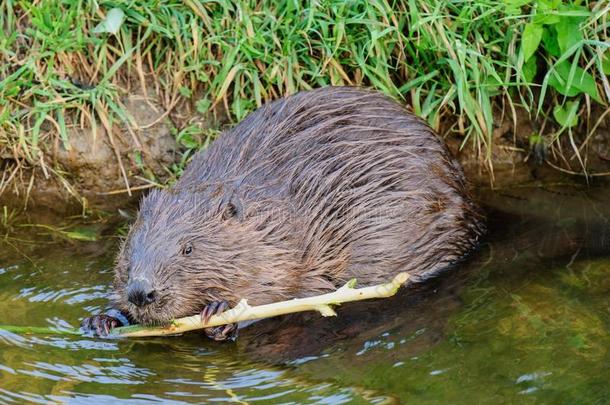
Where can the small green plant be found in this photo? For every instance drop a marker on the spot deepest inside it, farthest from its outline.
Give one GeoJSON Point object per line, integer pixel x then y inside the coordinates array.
{"type": "Point", "coordinates": [9, 219]}
{"type": "Point", "coordinates": [555, 38]}
{"type": "Point", "coordinates": [78, 233]}
{"type": "Point", "coordinates": [191, 138]}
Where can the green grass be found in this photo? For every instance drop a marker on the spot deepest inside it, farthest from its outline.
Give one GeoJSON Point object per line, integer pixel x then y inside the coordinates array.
{"type": "Point", "coordinates": [452, 61]}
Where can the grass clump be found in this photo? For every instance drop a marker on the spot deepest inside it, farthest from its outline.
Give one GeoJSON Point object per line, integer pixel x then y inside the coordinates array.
{"type": "Point", "coordinates": [68, 63]}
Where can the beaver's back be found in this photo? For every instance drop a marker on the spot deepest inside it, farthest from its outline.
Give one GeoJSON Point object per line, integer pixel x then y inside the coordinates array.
{"type": "Point", "coordinates": [373, 190]}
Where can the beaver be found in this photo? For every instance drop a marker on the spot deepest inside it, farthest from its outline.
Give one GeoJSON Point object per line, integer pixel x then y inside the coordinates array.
{"type": "Point", "coordinates": [307, 192]}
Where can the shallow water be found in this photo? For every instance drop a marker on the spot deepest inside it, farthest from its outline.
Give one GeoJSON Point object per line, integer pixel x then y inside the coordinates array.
{"type": "Point", "coordinates": [525, 319]}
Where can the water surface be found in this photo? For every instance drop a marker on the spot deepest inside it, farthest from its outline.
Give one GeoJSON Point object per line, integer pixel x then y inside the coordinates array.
{"type": "Point", "coordinates": [524, 320]}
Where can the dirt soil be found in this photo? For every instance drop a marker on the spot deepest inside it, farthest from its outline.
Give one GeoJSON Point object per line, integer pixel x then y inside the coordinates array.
{"type": "Point", "coordinates": [90, 173]}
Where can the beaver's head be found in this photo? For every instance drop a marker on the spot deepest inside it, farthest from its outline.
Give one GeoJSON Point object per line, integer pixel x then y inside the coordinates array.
{"type": "Point", "coordinates": [188, 248]}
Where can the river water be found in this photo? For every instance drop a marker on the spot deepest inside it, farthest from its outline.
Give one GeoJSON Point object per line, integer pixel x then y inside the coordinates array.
{"type": "Point", "coordinates": [526, 319]}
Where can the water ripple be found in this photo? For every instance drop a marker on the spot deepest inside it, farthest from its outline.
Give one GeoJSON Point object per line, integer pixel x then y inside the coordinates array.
{"type": "Point", "coordinates": [70, 296]}
{"type": "Point", "coordinates": [125, 373]}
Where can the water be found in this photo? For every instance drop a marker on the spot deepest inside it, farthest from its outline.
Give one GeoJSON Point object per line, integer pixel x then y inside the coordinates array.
{"type": "Point", "coordinates": [524, 320]}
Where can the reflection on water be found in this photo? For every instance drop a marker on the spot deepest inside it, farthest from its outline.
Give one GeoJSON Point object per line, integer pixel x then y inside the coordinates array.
{"type": "Point", "coordinates": [525, 319]}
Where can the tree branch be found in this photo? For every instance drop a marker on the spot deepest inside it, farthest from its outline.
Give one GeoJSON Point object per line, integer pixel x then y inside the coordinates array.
{"type": "Point", "coordinates": [244, 312]}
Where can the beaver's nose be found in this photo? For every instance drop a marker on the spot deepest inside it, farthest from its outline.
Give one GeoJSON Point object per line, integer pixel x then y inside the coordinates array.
{"type": "Point", "coordinates": [141, 293]}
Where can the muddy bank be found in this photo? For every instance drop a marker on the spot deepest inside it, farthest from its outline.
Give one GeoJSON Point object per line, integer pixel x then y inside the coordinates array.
{"type": "Point", "coordinates": [525, 150]}
{"type": "Point", "coordinates": [98, 169]}
{"type": "Point", "coordinates": [106, 171]}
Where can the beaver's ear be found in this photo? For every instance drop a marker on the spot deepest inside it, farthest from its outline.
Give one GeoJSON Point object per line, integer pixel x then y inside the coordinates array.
{"type": "Point", "coordinates": [233, 208]}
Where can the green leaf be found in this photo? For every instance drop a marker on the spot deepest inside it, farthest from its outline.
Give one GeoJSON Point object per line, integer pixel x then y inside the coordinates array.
{"type": "Point", "coordinates": [532, 34]}
{"type": "Point", "coordinates": [202, 76]}
{"type": "Point", "coordinates": [545, 18]}
{"type": "Point", "coordinates": [568, 32]}
{"type": "Point", "coordinates": [606, 63]}
{"type": "Point", "coordinates": [492, 85]}
{"type": "Point", "coordinates": [137, 157]}
{"type": "Point", "coordinates": [187, 140]}
{"type": "Point", "coordinates": [63, 131]}
{"type": "Point", "coordinates": [582, 81]}
{"type": "Point", "coordinates": [5, 115]}
{"type": "Point", "coordinates": [566, 115]}
{"type": "Point", "coordinates": [545, 5]}
{"type": "Point", "coordinates": [549, 40]}
{"type": "Point", "coordinates": [574, 10]}
{"type": "Point", "coordinates": [514, 6]}
{"type": "Point", "coordinates": [203, 105]}
{"type": "Point", "coordinates": [82, 234]}
{"type": "Point", "coordinates": [535, 139]}
{"type": "Point", "coordinates": [530, 68]}
{"type": "Point", "coordinates": [185, 91]}
{"type": "Point", "coordinates": [112, 23]}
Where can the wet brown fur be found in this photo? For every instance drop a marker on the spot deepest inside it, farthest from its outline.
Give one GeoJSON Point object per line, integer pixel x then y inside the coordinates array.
{"type": "Point", "coordinates": [305, 193]}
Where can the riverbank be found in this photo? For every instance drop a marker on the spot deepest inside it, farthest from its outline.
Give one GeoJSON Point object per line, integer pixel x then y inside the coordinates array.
{"type": "Point", "coordinates": [100, 101]}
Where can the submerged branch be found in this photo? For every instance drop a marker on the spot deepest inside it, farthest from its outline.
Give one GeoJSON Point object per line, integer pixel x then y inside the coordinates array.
{"type": "Point", "coordinates": [40, 330]}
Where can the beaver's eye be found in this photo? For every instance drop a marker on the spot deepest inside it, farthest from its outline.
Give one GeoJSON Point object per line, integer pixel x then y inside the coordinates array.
{"type": "Point", "coordinates": [187, 249]}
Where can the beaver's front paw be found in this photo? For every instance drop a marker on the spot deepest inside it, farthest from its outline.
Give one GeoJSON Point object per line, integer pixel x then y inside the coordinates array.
{"type": "Point", "coordinates": [100, 325]}
{"type": "Point", "coordinates": [222, 332]}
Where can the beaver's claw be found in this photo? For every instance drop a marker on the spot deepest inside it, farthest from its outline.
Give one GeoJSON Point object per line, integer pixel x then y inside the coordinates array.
{"type": "Point", "coordinates": [222, 332]}
{"type": "Point", "coordinates": [99, 325]}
